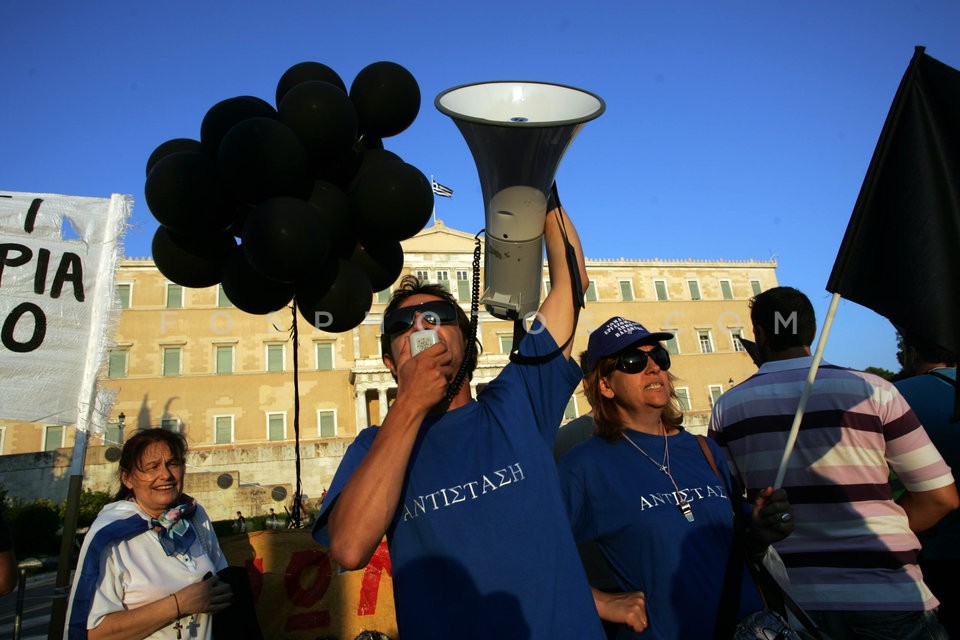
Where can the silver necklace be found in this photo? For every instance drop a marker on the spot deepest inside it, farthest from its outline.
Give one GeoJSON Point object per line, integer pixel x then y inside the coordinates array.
{"type": "Point", "coordinates": [664, 466]}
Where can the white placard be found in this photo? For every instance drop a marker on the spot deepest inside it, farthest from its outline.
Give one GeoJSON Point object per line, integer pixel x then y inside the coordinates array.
{"type": "Point", "coordinates": [58, 257]}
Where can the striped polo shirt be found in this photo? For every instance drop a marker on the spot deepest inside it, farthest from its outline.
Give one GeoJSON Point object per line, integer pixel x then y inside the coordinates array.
{"type": "Point", "coordinates": [852, 548]}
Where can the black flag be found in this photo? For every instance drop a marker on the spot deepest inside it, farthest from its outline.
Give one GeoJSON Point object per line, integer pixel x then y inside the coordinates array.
{"type": "Point", "coordinates": [900, 255]}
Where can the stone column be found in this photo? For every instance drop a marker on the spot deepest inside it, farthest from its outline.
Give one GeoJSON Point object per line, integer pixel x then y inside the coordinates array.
{"type": "Point", "coordinates": [361, 408]}
{"type": "Point", "coordinates": [382, 393]}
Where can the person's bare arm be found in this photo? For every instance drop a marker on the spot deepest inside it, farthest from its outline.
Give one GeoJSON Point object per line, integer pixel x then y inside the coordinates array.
{"type": "Point", "coordinates": [206, 596]}
{"type": "Point", "coordinates": [926, 508]}
{"type": "Point", "coordinates": [557, 312]}
{"type": "Point", "coordinates": [365, 508]}
{"type": "Point", "coordinates": [8, 571]}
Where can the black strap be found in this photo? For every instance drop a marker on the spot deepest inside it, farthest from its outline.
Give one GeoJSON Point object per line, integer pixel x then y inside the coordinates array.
{"type": "Point", "coordinates": [774, 596]}
{"type": "Point", "coordinates": [936, 374]}
{"type": "Point", "coordinates": [956, 394]}
{"type": "Point", "coordinates": [729, 608]}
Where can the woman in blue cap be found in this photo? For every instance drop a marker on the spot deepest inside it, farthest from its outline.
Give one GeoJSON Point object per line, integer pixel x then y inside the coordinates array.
{"type": "Point", "coordinates": [647, 492]}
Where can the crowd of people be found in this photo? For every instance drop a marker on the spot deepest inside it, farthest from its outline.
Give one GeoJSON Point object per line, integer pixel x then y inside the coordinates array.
{"type": "Point", "coordinates": [622, 524]}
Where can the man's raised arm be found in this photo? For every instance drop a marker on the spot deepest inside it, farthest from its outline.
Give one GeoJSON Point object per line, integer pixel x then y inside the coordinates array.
{"type": "Point", "coordinates": [558, 312]}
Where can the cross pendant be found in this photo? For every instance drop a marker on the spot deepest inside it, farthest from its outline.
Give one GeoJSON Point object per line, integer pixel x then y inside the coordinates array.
{"type": "Point", "coordinates": [177, 626]}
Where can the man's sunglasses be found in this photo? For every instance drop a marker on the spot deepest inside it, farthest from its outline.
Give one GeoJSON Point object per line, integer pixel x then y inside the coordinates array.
{"type": "Point", "coordinates": [432, 314]}
{"type": "Point", "coordinates": [635, 361]}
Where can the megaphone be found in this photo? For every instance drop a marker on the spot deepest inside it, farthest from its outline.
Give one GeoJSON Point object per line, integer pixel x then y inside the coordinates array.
{"type": "Point", "coordinates": [517, 133]}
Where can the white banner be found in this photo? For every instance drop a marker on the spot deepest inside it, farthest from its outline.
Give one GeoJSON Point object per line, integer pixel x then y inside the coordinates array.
{"type": "Point", "coordinates": [58, 256]}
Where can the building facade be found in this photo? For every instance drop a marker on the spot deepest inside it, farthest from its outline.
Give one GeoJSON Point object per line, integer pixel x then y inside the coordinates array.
{"type": "Point", "coordinates": [186, 359]}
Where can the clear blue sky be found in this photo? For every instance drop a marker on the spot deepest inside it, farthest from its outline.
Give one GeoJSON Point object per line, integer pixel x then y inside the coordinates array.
{"type": "Point", "coordinates": [733, 129]}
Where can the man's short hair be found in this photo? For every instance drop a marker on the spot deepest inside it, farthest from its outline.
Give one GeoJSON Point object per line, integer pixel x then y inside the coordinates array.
{"type": "Point", "coordinates": [786, 317]}
{"type": "Point", "coordinates": [411, 285]}
{"type": "Point", "coordinates": [927, 350]}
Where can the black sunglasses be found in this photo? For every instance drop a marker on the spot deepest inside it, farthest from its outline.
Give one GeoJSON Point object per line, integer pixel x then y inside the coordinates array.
{"type": "Point", "coordinates": [635, 361]}
{"type": "Point", "coordinates": [432, 314]}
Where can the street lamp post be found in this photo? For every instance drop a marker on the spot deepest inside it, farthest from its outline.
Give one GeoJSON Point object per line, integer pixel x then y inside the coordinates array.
{"type": "Point", "coordinates": [23, 566]}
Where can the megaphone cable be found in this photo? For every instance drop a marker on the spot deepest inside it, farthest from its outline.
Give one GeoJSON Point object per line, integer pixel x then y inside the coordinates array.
{"type": "Point", "coordinates": [454, 387]}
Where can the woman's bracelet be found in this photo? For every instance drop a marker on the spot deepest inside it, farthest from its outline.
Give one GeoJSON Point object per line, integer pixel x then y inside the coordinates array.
{"type": "Point", "coordinates": [176, 623]}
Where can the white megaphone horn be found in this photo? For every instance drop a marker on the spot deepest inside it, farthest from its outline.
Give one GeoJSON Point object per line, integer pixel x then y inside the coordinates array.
{"type": "Point", "coordinates": [517, 133]}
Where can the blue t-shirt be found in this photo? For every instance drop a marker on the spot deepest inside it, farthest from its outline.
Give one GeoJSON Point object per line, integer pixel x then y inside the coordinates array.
{"type": "Point", "coordinates": [481, 545]}
{"type": "Point", "coordinates": [931, 398]}
{"type": "Point", "coordinates": [622, 500]}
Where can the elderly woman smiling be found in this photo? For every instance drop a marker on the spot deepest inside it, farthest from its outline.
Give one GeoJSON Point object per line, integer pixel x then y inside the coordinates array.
{"type": "Point", "coordinates": [147, 566]}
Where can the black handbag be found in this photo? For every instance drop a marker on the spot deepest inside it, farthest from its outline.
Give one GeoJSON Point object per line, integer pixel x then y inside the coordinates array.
{"type": "Point", "coordinates": [239, 620]}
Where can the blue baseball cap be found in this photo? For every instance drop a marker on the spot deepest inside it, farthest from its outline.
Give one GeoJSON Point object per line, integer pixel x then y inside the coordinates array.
{"type": "Point", "coordinates": [615, 335]}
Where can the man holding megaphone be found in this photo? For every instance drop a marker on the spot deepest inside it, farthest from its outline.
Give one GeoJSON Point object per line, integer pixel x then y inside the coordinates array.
{"type": "Point", "coordinates": [466, 490]}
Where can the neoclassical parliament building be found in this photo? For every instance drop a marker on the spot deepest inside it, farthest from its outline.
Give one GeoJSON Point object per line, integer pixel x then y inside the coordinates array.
{"type": "Point", "coordinates": [185, 359]}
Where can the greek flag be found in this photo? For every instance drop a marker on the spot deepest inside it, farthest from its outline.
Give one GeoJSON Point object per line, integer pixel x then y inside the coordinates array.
{"type": "Point", "coordinates": [441, 190]}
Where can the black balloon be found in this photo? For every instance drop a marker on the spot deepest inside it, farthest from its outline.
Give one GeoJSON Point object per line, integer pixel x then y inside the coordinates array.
{"type": "Point", "coordinates": [184, 192]}
{"type": "Point", "coordinates": [193, 261]}
{"type": "Point", "coordinates": [284, 237]}
{"type": "Point", "coordinates": [342, 170]}
{"type": "Point", "coordinates": [392, 200]}
{"type": "Point", "coordinates": [333, 206]}
{"type": "Point", "coordinates": [222, 117]}
{"type": "Point", "coordinates": [243, 212]}
{"type": "Point", "coordinates": [304, 72]}
{"type": "Point", "coordinates": [386, 97]}
{"type": "Point", "coordinates": [375, 156]}
{"type": "Point", "coordinates": [262, 158]}
{"type": "Point", "coordinates": [370, 142]}
{"type": "Point", "coordinates": [249, 290]}
{"type": "Point", "coordinates": [381, 260]}
{"type": "Point", "coordinates": [371, 158]}
{"type": "Point", "coordinates": [172, 146]}
{"type": "Point", "coordinates": [345, 303]}
{"type": "Point", "coordinates": [278, 179]}
{"type": "Point", "coordinates": [323, 118]}
{"type": "Point", "coordinates": [316, 282]}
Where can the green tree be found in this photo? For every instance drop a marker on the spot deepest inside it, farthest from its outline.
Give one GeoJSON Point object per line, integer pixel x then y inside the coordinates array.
{"type": "Point", "coordinates": [91, 502]}
{"type": "Point", "coordinates": [886, 374]}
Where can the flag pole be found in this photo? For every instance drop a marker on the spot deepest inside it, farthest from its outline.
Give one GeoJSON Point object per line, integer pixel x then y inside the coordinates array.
{"type": "Point", "coordinates": [807, 388]}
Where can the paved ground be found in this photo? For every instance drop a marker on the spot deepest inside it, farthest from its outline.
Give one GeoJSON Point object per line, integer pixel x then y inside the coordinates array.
{"type": "Point", "coordinates": [35, 622]}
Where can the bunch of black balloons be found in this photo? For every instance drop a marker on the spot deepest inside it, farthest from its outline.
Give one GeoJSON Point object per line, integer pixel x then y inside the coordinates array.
{"type": "Point", "coordinates": [300, 200]}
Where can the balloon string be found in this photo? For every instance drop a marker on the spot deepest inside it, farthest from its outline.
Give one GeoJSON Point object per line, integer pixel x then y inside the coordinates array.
{"type": "Point", "coordinates": [298, 495]}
